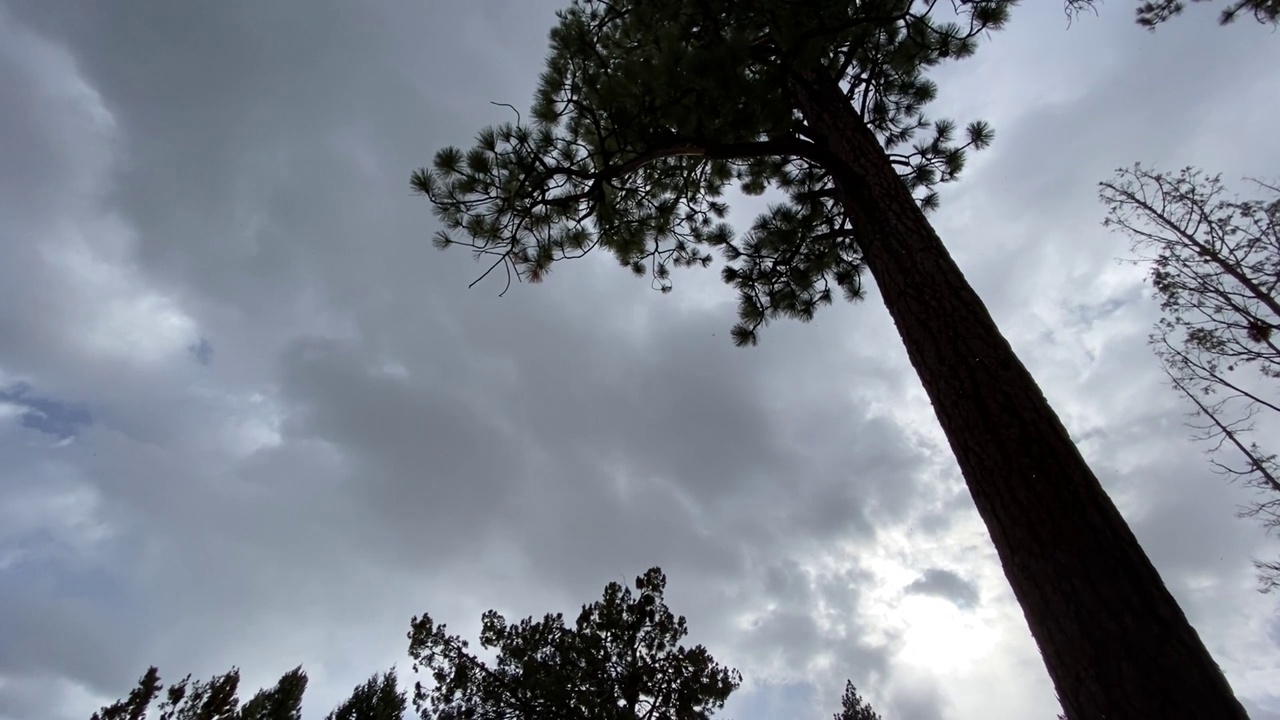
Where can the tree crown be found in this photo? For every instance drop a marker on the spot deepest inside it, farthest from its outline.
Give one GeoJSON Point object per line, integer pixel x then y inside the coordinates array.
{"type": "Point", "coordinates": [648, 112]}
{"type": "Point", "coordinates": [1215, 268]}
{"type": "Point", "coordinates": [622, 660]}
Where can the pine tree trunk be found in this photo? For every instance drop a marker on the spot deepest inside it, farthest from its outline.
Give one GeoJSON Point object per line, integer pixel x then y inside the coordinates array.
{"type": "Point", "coordinates": [1113, 638]}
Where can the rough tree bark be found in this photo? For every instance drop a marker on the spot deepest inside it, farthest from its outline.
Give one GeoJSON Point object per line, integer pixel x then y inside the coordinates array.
{"type": "Point", "coordinates": [1113, 638]}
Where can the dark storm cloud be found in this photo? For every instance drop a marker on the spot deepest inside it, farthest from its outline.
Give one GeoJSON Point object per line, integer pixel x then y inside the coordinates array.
{"type": "Point", "coordinates": [244, 172]}
{"type": "Point", "coordinates": [263, 202]}
{"type": "Point", "coordinates": [201, 352]}
{"type": "Point", "coordinates": [946, 585]}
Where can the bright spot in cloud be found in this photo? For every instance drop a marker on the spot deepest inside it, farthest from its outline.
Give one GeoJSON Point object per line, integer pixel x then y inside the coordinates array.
{"type": "Point", "coordinates": [11, 411]}
{"type": "Point", "coordinates": [941, 637]}
{"type": "Point", "coordinates": [250, 421]}
{"type": "Point", "coordinates": [258, 428]}
{"type": "Point", "coordinates": [123, 318]}
{"type": "Point", "coordinates": [89, 271]}
{"type": "Point", "coordinates": [68, 510]}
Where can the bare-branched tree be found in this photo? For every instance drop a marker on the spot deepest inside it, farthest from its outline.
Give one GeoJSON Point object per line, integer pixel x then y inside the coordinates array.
{"type": "Point", "coordinates": [1215, 268]}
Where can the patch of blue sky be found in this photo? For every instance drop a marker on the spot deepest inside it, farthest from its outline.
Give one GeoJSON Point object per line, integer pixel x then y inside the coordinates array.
{"type": "Point", "coordinates": [51, 416]}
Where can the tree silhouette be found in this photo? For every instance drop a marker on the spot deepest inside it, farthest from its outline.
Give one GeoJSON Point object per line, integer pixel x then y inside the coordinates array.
{"type": "Point", "coordinates": [621, 660]}
{"type": "Point", "coordinates": [216, 699]}
{"type": "Point", "coordinates": [853, 707]}
{"type": "Point", "coordinates": [648, 112]}
{"type": "Point", "coordinates": [1153, 13]}
{"type": "Point", "coordinates": [1215, 268]}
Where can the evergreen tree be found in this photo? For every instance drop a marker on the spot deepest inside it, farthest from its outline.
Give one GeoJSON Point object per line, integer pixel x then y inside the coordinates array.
{"type": "Point", "coordinates": [216, 699]}
{"type": "Point", "coordinates": [134, 707]}
{"type": "Point", "coordinates": [648, 111]}
{"type": "Point", "coordinates": [1152, 13]}
{"type": "Point", "coordinates": [282, 702]}
{"type": "Point", "coordinates": [853, 707]}
{"type": "Point", "coordinates": [378, 698]}
{"type": "Point", "coordinates": [212, 699]}
{"type": "Point", "coordinates": [622, 660]}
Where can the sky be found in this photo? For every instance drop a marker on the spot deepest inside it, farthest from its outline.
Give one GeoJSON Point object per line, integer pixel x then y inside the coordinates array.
{"type": "Point", "coordinates": [249, 416]}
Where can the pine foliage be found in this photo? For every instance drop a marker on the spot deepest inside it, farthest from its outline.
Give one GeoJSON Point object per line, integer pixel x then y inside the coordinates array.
{"type": "Point", "coordinates": [648, 113]}
{"type": "Point", "coordinates": [1154, 12]}
{"type": "Point", "coordinates": [217, 699]}
{"type": "Point", "coordinates": [621, 660]}
{"type": "Point", "coordinates": [853, 707]}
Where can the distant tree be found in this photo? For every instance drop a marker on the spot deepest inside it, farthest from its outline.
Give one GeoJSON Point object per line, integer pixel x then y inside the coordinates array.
{"type": "Point", "coordinates": [134, 707]}
{"type": "Point", "coordinates": [212, 699]}
{"type": "Point", "coordinates": [621, 660]}
{"type": "Point", "coordinates": [1215, 268]}
{"type": "Point", "coordinates": [649, 111]}
{"type": "Point", "coordinates": [216, 699]}
{"type": "Point", "coordinates": [378, 698]}
{"type": "Point", "coordinates": [853, 707]}
{"type": "Point", "coordinates": [1152, 13]}
{"type": "Point", "coordinates": [282, 702]}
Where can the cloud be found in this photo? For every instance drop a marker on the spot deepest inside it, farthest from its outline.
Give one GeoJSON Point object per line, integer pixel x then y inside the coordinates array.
{"type": "Point", "coordinates": [946, 585]}
{"type": "Point", "coordinates": [46, 415]}
{"type": "Point", "coordinates": [202, 351]}
{"type": "Point", "coordinates": [294, 427]}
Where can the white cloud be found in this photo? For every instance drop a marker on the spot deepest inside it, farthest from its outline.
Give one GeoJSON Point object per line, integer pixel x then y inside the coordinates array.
{"type": "Point", "coordinates": [371, 440]}
{"type": "Point", "coordinates": [119, 316]}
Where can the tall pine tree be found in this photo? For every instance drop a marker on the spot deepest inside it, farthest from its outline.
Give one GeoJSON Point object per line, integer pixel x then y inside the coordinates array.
{"type": "Point", "coordinates": [648, 111]}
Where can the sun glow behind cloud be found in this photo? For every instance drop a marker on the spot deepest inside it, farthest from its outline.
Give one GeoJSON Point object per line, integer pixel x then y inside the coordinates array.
{"type": "Point", "coordinates": [940, 636]}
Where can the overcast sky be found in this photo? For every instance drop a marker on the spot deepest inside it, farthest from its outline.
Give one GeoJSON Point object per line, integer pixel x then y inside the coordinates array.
{"type": "Point", "coordinates": [248, 416]}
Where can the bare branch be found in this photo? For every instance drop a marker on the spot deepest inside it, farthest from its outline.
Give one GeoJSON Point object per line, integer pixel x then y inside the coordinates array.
{"type": "Point", "coordinates": [1215, 268]}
